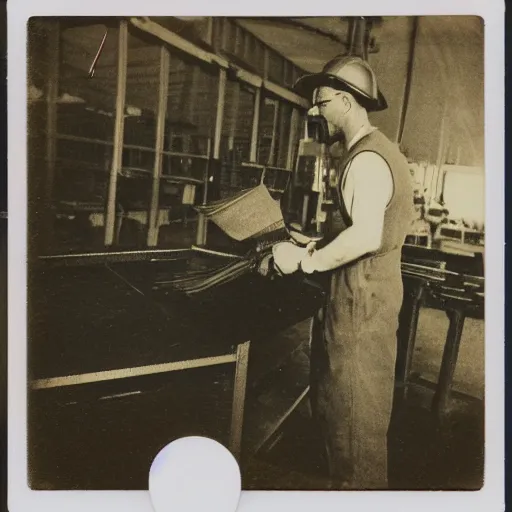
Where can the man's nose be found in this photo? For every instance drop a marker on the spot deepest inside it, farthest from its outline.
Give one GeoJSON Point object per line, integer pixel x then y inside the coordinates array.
{"type": "Point", "coordinates": [314, 111]}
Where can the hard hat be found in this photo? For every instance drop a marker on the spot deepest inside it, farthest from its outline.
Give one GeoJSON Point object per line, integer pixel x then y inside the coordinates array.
{"type": "Point", "coordinates": [348, 73]}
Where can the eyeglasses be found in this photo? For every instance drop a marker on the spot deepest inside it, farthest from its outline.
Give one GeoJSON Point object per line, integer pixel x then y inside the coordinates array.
{"type": "Point", "coordinates": [322, 103]}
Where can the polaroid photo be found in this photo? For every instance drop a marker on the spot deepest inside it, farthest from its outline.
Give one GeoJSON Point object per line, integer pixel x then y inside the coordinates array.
{"type": "Point", "coordinates": [276, 228]}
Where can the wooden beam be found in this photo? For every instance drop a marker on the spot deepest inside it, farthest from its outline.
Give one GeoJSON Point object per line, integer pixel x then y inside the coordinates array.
{"type": "Point", "coordinates": [202, 223]}
{"type": "Point", "coordinates": [125, 373]}
{"type": "Point", "coordinates": [255, 125]}
{"type": "Point", "coordinates": [101, 258]}
{"type": "Point", "coordinates": [220, 113]}
{"type": "Point", "coordinates": [117, 158]}
{"type": "Point", "coordinates": [159, 147]}
{"type": "Point", "coordinates": [240, 385]}
{"type": "Point", "coordinates": [272, 155]}
{"type": "Point", "coordinates": [286, 94]}
{"type": "Point", "coordinates": [283, 138]}
{"type": "Point", "coordinates": [178, 42]}
{"type": "Point", "coordinates": [248, 77]}
{"type": "Point", "coordinates": [294, 129]}
{"type": "Point", "coordinates": [210, 31]}
{"type": "Point", "coordinates": [235, 101]}
{"type": "Point", "coordinates": [225, 30]}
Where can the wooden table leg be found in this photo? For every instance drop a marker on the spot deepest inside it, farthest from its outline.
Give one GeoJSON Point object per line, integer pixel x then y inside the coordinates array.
{"type": "Point", "coordinates": [413, 313]}
{"type": "Point", "coordinates": [457, 317]}
{"type": "Point", "coordinates": [237, 415]}
{"type": "Point", "coordinates": [411, 336]}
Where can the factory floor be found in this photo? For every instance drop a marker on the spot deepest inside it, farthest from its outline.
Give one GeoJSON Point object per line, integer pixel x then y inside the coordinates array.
{"type": "Point", "coordinates": [120, 433]}
{"type": "Point", "coordinates": [422, 455]}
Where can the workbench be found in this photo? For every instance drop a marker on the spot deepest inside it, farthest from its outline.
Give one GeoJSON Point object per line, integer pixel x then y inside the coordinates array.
{"type": "Point", "coordinates": [97, 332]}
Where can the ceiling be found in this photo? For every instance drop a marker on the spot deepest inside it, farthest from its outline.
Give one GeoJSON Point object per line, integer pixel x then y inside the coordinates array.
{"type": "Point", "coordinates": [447, 79]}
{"type": "Point", "coordinates": [446, 82]}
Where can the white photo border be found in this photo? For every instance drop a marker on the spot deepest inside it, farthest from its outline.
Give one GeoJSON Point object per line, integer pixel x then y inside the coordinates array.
{"type": "Point", "coordinates": [491, 496]}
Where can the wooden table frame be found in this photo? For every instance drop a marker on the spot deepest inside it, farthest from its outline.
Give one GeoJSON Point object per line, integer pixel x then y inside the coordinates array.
{"type": "Point", "coordinates": [240, 358]}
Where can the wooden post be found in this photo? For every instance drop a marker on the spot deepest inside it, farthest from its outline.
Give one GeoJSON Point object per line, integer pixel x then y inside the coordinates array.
{"type": "Point", "coordinates": [159, 146]}
{"type": "Point", "coordinates": [292, 140]}
{"type": "Point", "coordinates": [202, 221]}
{"type": "Point", "coordinates": [440, 402]}
{"type": "Point", "coordinates": [294, 127]}
{"type": "Point", "coordinates": [282, 151]}
{"type": "Point", "coordinates": [235, 101]}
{"type": "Point", "coordinates": [255, 125]}
{"type": "Point", "coordinates": [271, 156]}
{"type": "Point", "coordinates": [232, 132]}
{"type": "Point", "coordinates": [237, 415]}
{"type": "Point", "coordinates": [117, 157]}
{"type": "Point", "coordinates": [226, 29]}
{"type": "Point", "coordinates": [210, 31]}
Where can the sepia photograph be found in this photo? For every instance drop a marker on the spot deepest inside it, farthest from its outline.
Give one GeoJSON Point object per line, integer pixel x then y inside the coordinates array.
{"type": "Point", "coordinates": [267, 231]}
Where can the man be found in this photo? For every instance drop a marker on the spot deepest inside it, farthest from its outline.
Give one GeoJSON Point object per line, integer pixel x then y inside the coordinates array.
{"type": "Point", "coordinates": [354, 336]}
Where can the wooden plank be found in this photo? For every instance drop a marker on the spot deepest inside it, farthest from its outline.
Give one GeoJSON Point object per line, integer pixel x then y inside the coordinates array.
{"type": "Point", "coordinates": [178, 42]}
{"type": "Point", "coordinates": [87, 140]}
{"type": "Point", "coordinates": [220, 113]}
{"type": "Point", "coordinates": [255, 125]}
{"type": "Point", "coordinates": [225, 29]}
{"type": "Point", "coordinates": [185, 155]}
{"type": "Point", "coordinates": [248, 77]}
{"type": "Point", "coordinates": [159, 146]}
{"type": "Point", "coordinates": [282, 152]}
{"type": "Point", "coordinates": [210, 31]}
{"type": "Point", "coordinates": [272, 155]}
{"type": "Point", "coordinates": [112, 257]}
{"type": "Point", "coordinates": [294, 130]}
{"type": "Point", "coordinates": [202, 221]}
{"type": "Point", "coordinates": [125, 373]}
{"type": "Point", "coordinates": [235, 101]}
{"type": "Point", "coordinates": [276, 428]}
{"type": "Point", "coordinates": [117, 157]}
{"type": "Point", "coordinates": [286, 94]}
{"type": "Point", "coordinates": [240, 386]}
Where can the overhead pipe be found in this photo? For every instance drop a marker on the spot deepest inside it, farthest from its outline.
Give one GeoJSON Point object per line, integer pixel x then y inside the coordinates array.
{"type": "Point", "coordinates": [358, 42]}
{"type": "Point", "coordinates": [408, 80]}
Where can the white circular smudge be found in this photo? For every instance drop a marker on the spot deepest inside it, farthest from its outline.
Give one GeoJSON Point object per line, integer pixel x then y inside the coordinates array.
{"type": "Point", "coordinates": [193, 474]}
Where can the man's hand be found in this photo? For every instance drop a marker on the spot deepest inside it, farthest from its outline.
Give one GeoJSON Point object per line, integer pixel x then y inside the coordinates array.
{"type": "Point", "coordinates": [264, 266]}
{"type": "Point", "coordinates": [287, 257]}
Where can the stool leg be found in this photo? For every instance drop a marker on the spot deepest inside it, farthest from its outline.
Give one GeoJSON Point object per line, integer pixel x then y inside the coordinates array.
{"type": "Point", "coordinates": [237, 415]}
{"type": "Point", "coordinates": [449, 361]}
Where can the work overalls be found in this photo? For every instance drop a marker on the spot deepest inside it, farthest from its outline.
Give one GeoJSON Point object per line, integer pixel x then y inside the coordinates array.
{"type": "Point", "coordinates": [354, 337]}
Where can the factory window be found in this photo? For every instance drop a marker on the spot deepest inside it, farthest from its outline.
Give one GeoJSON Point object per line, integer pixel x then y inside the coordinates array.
{"type": "Point", "coordinates": [274, 132]}
{"type": "Point", "coordinates": [268, 131]}
{"type": "Point", "coordinates": [79, 118]}
{"type": "Point", "coordinates": [99, 186]}
{"type": "Point", "coordinates": [464, 196]}
{"type": "Point", "coordinates": [192, 98]}
{"type": "Point", "coordinates": [236, 137]}
{"type": "Point", "coordinates": [134, 181]}
{"type": "Point", "coordinates": [275, 67]}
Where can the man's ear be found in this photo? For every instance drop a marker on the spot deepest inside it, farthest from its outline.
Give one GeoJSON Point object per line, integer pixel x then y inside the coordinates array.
{"type": "Point", "coordinates": [347, 102]}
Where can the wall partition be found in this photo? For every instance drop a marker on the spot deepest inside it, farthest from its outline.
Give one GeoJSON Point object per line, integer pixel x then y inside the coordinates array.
{"type": "Point", "coordinates": [132, 124]}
